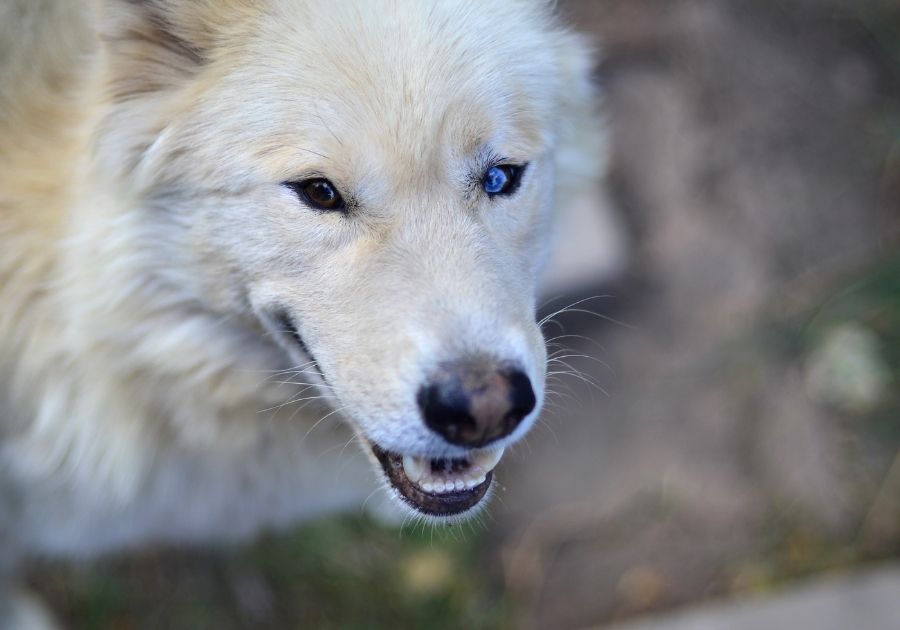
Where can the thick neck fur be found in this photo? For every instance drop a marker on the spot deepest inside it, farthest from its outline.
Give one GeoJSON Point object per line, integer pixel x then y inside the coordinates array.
{"type": "Point", "coordinates": [102, 351]}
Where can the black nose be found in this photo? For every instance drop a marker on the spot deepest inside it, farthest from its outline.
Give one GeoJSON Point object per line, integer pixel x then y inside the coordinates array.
{"type": "Point", "coordinates": [474, 403]}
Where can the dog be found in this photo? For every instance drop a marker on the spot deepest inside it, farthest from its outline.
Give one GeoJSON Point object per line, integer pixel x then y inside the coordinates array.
{"type": "Point", "coordinates": [237, 236]}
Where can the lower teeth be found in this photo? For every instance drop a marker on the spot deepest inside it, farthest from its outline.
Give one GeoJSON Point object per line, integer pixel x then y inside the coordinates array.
{"type": "Point", "coordinates": [420, 471]}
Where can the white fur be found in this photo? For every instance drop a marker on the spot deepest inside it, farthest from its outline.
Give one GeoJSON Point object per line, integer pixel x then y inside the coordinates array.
{"type": "Point", "coordinates": [144, 235]}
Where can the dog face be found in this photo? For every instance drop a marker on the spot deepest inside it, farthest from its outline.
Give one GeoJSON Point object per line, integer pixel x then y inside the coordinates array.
{"type": "Point", "coordinates": [372, 182]}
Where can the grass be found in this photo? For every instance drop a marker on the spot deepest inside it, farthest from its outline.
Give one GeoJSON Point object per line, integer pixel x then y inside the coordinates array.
{"type": "Point", "coordinates": [345, 573]}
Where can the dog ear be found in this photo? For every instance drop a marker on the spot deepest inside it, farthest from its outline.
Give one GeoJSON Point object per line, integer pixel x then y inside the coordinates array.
{"type": "Point", "coordinates": [583, 142]}
{"type": "Point", "coordinates": [585, 213]}
{"type": "Point", "coordinates": [147, 50]}
{"type": "Point", "coordinates": [155, 45]}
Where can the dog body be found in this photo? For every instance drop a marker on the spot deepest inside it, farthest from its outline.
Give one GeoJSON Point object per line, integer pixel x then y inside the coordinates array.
{"type": "Point", "coordinates": [188, 342]}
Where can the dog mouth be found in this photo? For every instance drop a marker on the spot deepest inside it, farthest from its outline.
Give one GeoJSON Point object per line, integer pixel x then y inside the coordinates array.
{"type": "Point", "coordinates": [440, 486]}
{"type": "Point", "coordinates": [284, 325]}
{"type": "Point", "coordinates": [437, 487]}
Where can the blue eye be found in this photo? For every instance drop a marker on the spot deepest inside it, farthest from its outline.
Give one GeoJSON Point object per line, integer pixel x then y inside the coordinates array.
{"type": "Point", "coordinates": [503, 179]}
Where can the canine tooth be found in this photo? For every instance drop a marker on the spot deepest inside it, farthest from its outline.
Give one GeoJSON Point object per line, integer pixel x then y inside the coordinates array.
{"type": "Point", "coordinates": [487, 460]}
{"type": "Point", "coordinates": [413, 467]}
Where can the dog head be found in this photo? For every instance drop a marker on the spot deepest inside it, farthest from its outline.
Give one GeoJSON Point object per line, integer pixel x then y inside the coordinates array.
{"type": "Point", "coordinates": [372, 182]}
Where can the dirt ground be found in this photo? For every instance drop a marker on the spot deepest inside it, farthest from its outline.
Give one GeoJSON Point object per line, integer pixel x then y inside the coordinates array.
{"type": "Point", "coordinates": [752, 162]}
{"type": "Point", "coordinates": [749, 423]}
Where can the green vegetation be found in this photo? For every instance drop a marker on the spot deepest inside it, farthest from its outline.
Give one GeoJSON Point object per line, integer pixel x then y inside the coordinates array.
{"type": "Point", "coordinates": [340, 573]}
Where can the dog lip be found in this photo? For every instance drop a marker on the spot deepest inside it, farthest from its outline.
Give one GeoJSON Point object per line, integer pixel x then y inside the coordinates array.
{"type": "Point", "coordinates": [287, 326]}
{"type": "Point", "coordinates": [282, 324]}
{"type": "Point", "coordinates": [430, 503]}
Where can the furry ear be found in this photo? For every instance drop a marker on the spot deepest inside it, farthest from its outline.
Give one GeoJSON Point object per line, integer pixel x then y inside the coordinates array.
{"type": "Point", "coordinates": [582, 143]}
{"type": "Point", "coordinates": [149, 47]}
{"type": "Point", "coordinates": [156, 44]}
{"type": "Point", "coordinates": [587, 218]}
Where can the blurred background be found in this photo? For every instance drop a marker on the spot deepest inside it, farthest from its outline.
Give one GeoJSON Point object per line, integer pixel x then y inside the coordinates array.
{"type": "Point", "coordinates": [731, 422]}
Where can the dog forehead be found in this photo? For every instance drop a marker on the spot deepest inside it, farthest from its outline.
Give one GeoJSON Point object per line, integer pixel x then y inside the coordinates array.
{"type": "Point", "coordinates": [382, 89]}
{"type": "Point", "coordinates": [410, 72]}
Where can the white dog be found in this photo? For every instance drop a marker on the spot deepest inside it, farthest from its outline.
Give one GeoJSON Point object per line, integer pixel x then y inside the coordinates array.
{"type": "Point", "coordinates": [213, 211]}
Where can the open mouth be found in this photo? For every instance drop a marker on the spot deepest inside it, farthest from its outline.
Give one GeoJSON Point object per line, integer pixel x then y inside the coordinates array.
{"type": "Point", "coordinates": [443, 486]}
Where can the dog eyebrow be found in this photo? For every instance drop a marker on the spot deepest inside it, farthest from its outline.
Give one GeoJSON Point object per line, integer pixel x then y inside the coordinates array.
{"type": "Point", "coordinates": [487, 157]}
{"type": "Point", "coordinates": [321, 155]}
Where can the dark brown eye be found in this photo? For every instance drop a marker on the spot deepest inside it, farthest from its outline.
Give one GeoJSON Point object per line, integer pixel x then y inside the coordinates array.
{"type": "Point", "coordinates": [319, 194]}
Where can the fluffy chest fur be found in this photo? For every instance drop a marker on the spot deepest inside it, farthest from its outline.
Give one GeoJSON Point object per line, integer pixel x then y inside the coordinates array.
{"type": "Point", "coordinates": [191, 496]}
{"type": "Point", "coordinates": [173, 300]}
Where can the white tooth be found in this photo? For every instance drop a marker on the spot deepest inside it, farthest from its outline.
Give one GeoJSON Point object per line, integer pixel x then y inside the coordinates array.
{"type": "Point", "coordinates": [487, 460]}
{"type": "Point", "coordinates": [428, 486]}
{"type": "Point", "coordinates": [413, 467]}
{"type": "Point", "coordinates": [459, 484]}
{"type": "Point", "coordinates": [440, 486]}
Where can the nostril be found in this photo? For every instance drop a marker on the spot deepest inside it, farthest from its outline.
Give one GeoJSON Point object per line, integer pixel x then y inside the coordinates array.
{"type": "Point", "coordinates": [470, 404]}
{"type": "Point", "coordinates": [445, 408]}
{"type": "Point", "coordinates": [521, 395]}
